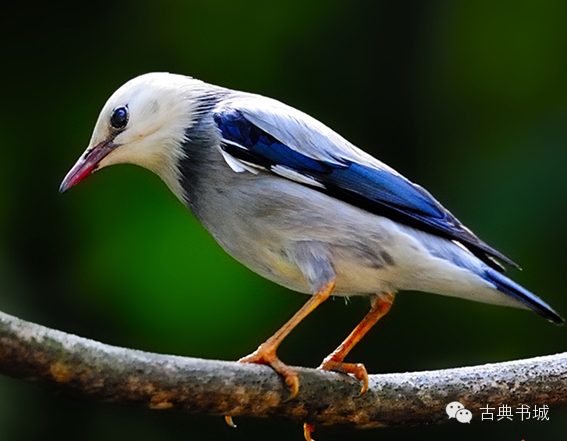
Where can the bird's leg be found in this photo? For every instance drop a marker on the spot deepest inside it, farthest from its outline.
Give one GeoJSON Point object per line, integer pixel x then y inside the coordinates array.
{"type": "Point", "coordinates": [380, 305]}
{"type": "Point", "coordinates": [266, 352]}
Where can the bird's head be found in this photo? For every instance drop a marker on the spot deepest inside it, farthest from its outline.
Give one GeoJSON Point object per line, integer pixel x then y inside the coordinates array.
{"type": "Point", "coordinates": [143, 123]}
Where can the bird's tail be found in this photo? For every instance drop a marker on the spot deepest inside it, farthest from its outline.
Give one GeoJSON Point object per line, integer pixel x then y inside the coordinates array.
{"type": "Point", "coordinates": [531, 301]}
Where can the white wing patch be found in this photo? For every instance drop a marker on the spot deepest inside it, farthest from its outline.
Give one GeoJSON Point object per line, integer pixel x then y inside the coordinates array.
{"type": "Point", "coordinates": [237, 165]}
{"type": "Point", "coordinates": [288, 173]}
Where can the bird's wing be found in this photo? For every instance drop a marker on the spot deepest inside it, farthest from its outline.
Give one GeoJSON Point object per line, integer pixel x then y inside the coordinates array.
{"type": "Point", "coordinates": [258, 132]}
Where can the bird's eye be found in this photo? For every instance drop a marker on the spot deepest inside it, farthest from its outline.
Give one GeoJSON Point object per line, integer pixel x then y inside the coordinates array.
{"type": "Point", "coordinates": [119, 117]}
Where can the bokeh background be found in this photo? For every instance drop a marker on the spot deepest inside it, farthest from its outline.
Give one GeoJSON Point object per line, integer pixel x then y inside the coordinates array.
{"type": "Point", "coordinates": [469, 99]}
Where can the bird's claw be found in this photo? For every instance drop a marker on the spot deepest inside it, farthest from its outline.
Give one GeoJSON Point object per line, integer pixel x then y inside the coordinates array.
{"type": "Point", "coordinates": [268, 356]}
{"type": "Point", "coordinates": [356, 369]}
{"type": "Point", "coordinates": [307, 431]}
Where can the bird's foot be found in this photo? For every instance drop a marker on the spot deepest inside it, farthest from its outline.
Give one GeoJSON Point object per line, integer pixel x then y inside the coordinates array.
{"type": "Point", "coordinates": [356, 369]}
{"type": "Point", "coordinates": [266, 354]}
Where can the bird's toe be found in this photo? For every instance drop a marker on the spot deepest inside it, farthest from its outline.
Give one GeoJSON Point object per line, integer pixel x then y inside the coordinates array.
{"type": "Point", "coordinates": [228, 419]}
{"type": "Point", "coordinates": [268, 356]}
{"type": "Point", "coordinates": [307, 431]}
{"type": "Point", "coordinates": [356, 369]}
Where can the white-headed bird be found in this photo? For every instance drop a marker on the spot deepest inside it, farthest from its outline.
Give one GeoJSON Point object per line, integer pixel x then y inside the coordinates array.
{"type": "Point", "coordinates": [296, 203]}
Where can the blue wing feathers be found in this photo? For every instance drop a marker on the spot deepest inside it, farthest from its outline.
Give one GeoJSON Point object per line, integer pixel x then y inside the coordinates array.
{"type": "Point", "coordinates": [234, 127]}
{"type": "Point", "coordinates": [380, 185]}
{"type": "Point", "coordinates": [359, 178]}
{"type": "Point", "coordinates": [378, 190]}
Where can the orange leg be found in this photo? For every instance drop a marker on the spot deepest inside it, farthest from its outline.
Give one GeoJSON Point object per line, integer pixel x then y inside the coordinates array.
{"type": "Point", "coordinates": [380, 305]}
{"type": "Point", "coordinates": [266, 352]}
{"type": "Point", "coordinates": [334, 362]}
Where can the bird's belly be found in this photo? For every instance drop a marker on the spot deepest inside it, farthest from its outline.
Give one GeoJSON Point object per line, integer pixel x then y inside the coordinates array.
{"type": "Point", "coordinates": [361, 258]}
{"type": "Point", "coordinates": [365, 263]}
{"type": "Point", "coordinates": [352, 277]}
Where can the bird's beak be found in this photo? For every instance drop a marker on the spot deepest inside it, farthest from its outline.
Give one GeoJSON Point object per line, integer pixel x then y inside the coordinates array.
{"type": "Point", "coordinates": [87, 164]}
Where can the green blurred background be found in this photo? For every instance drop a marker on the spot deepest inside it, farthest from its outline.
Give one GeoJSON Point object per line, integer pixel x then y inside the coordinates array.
{"type": "Point", "coordinates": [469, 99]}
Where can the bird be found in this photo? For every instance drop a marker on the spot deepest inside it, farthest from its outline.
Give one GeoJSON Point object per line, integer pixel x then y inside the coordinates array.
{"type": "Point", "coordinates": [297, 203]}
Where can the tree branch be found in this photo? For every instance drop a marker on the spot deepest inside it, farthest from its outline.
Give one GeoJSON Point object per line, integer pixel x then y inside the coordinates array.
{"type": "Point", "coordinates": [92, 369]}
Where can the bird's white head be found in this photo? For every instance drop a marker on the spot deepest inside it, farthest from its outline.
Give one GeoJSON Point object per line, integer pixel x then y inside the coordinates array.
{"type": "Point", "coordinates": [143, 123]}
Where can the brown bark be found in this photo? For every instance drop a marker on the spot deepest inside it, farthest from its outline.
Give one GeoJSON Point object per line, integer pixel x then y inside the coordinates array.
{"type": "Point", "coordinates": [92, 369]}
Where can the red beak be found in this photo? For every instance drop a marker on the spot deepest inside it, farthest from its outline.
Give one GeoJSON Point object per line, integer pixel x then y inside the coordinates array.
{"type": "Point", "coordinates": [87, 164]}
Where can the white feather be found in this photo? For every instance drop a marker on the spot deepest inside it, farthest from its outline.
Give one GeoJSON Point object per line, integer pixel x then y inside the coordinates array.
{"type": "Point", "coordinates": [237, 165]}
{"type": "Point", "coordinates": [288, 173]}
